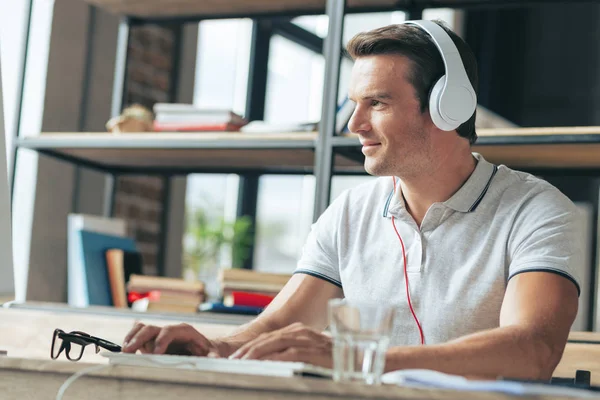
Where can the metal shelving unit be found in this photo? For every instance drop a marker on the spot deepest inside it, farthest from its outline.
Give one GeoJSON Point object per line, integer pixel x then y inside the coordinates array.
{"type": "Point", "coordinates": [330, 153]}
{"type": "Point", "coordinates": [550, 152]}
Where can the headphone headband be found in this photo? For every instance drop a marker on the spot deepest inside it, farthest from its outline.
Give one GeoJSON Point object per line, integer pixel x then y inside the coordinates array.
{"type": "Point", "coordinates": [453, 100]}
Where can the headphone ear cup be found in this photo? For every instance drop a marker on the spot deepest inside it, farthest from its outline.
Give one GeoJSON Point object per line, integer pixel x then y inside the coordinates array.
{"type": "Point", "coordinates": [434, 109]}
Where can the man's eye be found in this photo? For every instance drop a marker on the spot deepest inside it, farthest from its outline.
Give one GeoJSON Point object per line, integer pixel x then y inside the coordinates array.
{"type": "Point", "coordinates": [375, 103]}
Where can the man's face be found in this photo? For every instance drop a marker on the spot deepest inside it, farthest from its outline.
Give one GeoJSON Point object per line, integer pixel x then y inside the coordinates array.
{"type": "Point", "coordinates": [395, 134]}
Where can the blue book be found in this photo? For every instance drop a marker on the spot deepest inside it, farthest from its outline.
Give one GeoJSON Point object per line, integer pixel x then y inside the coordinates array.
{"type": "Point", "coordinates": [344, 113]}
{"type": "Point", "coordinates": [93, 248]}
{"type": "Point", "coordinates": [222, 308]}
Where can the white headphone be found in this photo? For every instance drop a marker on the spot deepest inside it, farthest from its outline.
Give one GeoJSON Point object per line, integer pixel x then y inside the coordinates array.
{"type": "Point", "coordinates": [452, 100]}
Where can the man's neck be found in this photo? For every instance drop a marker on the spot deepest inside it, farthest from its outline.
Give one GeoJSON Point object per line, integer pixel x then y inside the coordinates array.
{"type": "Point", "coordinates": [438, 184]}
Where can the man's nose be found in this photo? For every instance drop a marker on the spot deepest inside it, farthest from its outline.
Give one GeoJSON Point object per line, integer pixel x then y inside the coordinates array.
{"type": "Point", "coordinates": [359, 121]}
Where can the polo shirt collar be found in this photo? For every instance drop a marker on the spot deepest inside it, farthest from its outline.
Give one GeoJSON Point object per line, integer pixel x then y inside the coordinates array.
{"type": "Point", "coordinates": [466, 199]}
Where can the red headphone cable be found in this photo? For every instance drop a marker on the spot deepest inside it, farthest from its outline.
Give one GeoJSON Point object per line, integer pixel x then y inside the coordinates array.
{"type": "Point", "coordinates": [406, 276]}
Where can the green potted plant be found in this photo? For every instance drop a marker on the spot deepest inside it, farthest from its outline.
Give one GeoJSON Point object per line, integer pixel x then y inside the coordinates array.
{"type": "Point", "coordinates": [205, 238]}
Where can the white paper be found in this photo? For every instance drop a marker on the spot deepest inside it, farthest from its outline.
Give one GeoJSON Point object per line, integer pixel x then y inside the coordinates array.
{"type": "Point", "coordinates": [422, 378]}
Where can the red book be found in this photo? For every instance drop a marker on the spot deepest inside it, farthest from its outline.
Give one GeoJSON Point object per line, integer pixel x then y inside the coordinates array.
{"type": "Point", "coordinates": [247, 299]}
{"type": "Point", "coordinates": [135, 296]}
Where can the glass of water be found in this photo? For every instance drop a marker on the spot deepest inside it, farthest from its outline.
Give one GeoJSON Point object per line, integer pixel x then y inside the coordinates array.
{"type": "Point", "coordinates": [361, 336]}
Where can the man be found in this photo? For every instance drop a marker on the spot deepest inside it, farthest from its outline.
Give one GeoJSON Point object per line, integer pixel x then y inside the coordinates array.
{"type": "Point", "coordinates": [487, 252]}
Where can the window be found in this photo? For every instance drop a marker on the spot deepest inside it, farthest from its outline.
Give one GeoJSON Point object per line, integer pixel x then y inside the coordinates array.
{"type": "Point", "coordinates": [284, 216]}
{"type": "Point", "coordinates": [316, 24]}
{"type": "Point", "coordinates": [13, 25]}
{"type": "Point", "coordinates": [294, 83]}
{"type": "Point", "coordinates": [210, 205]}
{"type": "Point", "coordinates": [222, 64]}
{"type": "Point", "coordinates": [211, 199]}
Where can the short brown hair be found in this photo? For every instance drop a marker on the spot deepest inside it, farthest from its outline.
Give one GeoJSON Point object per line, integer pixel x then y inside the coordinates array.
{"type": "Point", "coordinates": [416, 44]}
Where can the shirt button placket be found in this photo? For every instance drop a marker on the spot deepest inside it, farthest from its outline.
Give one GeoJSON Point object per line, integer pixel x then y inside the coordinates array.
{"type": "Point", "coordinates": [414, 262]}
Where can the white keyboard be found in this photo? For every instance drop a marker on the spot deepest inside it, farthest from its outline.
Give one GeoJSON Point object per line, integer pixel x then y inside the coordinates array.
{"type": "Point", "coordinates": [247, 367]}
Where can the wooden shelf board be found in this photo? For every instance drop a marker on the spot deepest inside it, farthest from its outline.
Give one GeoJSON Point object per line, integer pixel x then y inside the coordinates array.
{"type": "Point", "coordinates": [164, 9]}
{"type": "Point", "coordinates": [555, 147]}
{"type": "Point", "coordinates": [228, 8]}
{"type": "Point", "coordinates": [546, 131]}
{"type": "Point", "coordinates": [569, 147]}
{"type": "Point", "coordinates": [542, 155]}
{"type": "Point", "coordinates": [293, 152]}
{"type": "Point", "coordinates": [171, 140]}
{"type": "Point", "coordinates": [524, 135]}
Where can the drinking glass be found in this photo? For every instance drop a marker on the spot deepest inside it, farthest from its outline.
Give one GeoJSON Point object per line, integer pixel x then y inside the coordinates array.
{"type": "Point", "coordinates": [361, 336]}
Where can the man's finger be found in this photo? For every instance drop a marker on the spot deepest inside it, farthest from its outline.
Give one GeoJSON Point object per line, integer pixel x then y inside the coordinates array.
{"type": "Point", "coordinates": [296, 329]}
{"type": "Point", "coordinates": [183, 334]}
{"type": "Point", "coordinates": [197, 343]}
{"type": "Point", "coordinates": [137, 326]}
{"type": "Point", "coordinates": [144, 335]}
{"type": "Point", "coordinates": [213, 354]}
{"type": "Point", "coordinates": [163, 339]}
{"type": "Point", "coordinates": [277, 344]}
{"type": "Point", "coordinates": [147, 348]}
{"type": "Point", "coordinates": [300, 329]}
{"type": "Point", "coordinates": [241, 352]}
{"type": "Point", "coordinates": [290, 354]}
{"type": "Point", "coordinates": [198, 340]}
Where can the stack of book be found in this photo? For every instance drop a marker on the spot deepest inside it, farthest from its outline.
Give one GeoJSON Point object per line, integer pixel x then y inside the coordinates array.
{"type": "Point", "coordinates": [167, 294]}
{"type": "Point", "coordinates": [188, 118]}
{"type": "Point", "coordinates": [246, 292]}
{"type": "Point", "coordinates": [244, 280]}
{"type": "Point", "coordinates": [242, 287]}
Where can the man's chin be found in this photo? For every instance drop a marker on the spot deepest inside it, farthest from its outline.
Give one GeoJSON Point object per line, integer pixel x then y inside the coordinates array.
{"type": "Point", "coordinates": [373, 168]}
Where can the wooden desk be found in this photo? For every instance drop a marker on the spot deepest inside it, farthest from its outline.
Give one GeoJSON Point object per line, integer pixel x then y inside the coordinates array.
{"type": "Point", "coordinates": [112, 312]}
{"type": "Point", "coordinates": [591, 337]}
{"type": "Point", "coordinates": [28, 333]}
{"type": "Point", "coordinates": [580, 356]}
{"type": "Point", "coordinates": [28, 379]}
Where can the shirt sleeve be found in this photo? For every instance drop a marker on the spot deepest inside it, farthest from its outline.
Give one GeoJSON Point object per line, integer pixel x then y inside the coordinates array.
{"type": "Point", "coordinates": [548, 236]}
{"type": "Point", "coordinates": [320, 256]}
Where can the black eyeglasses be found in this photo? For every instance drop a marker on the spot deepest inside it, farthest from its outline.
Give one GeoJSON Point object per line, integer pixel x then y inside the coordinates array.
{"type": "Point", "coordinates": [73, 343]}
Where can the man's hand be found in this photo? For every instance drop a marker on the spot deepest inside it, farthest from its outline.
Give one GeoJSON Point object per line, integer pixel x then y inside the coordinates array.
{"type": "Point", "coordinates": [180, 339]}
{"type": "Point", "coordinates": [295, 342]}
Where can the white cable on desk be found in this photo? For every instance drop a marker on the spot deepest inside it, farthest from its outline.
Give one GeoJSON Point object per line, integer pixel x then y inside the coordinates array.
{"type": "Point", "coordinates": [76, 376]}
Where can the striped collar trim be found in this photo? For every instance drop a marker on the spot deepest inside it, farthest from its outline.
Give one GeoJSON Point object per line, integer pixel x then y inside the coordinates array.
{"type": "Point", "coordinates": [467, 198]}
{"type": "Point", "coordinates": [386, 207]}
{"type": "Point", "coordinates": [472, 192]}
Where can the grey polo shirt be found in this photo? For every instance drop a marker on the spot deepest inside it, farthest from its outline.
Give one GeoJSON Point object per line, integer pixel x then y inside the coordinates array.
{"type": "Point", "coordinates": [500, 223]}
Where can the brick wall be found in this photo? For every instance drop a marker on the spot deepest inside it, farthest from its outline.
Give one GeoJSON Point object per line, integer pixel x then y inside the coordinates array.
{"type": "Point", "coordinates": [150, 62]}
{"type": "Point", "coordinates": [138, 199]}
